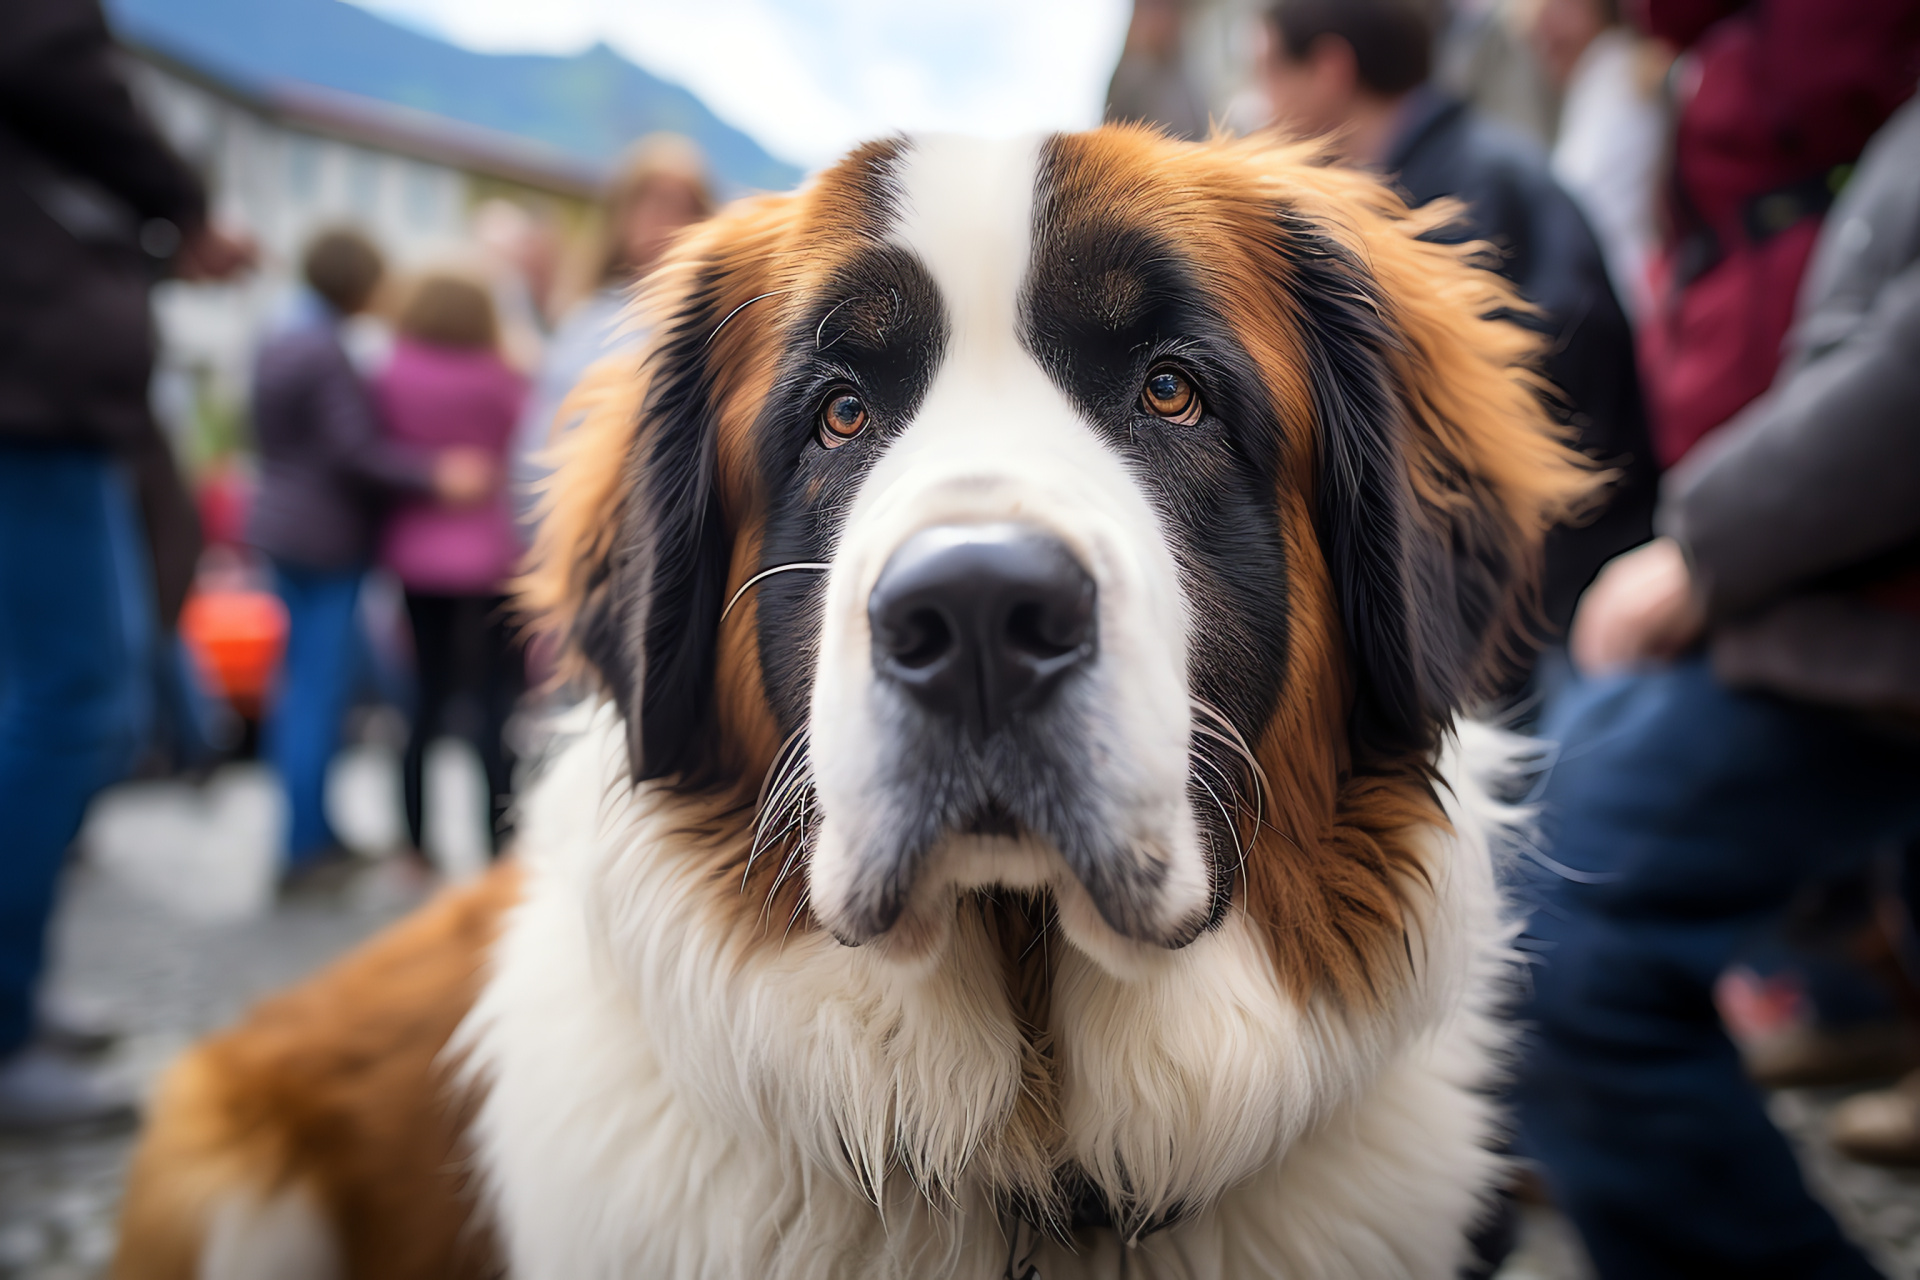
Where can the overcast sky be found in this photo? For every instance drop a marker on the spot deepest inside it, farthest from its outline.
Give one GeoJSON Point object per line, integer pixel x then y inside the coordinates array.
{"type": "Point", "coordinates": [808, 78]}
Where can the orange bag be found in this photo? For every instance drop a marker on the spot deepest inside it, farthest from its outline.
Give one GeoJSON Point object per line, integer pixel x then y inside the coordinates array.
{"type": "Point", "coordinates": [238, 638]}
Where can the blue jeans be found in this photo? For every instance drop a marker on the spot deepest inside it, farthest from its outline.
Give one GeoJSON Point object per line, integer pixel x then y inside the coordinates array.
{"type": "Point", "coordinates": [76, 635]}
{"type": "Point", "coordinates": [316, 688]}
{"type": "Point", "coordinates": [1683, 817]}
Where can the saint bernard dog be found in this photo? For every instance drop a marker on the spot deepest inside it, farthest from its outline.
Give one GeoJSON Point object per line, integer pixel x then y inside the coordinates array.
{"type": "Point", "coordinates": [1028, 827]}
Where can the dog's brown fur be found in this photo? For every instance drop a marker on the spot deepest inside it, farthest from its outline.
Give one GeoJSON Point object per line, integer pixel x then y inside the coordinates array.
{"type": "Point", "coordinates": [1330, 866]}
{"type": "Point", "coordinates": [335, 1088]}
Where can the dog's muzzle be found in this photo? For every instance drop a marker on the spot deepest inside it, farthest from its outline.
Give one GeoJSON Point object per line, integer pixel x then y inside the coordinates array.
{"type": "Point", "coordinates": [978, 623]}
{"type": "Point", "coordinates": [989, 762]}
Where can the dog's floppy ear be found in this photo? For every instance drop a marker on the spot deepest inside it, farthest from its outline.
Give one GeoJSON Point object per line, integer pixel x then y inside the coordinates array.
{"type": "Point", "coordinates": [1439, 468]}
{"type": "Point", "coordinates": [629, 568]}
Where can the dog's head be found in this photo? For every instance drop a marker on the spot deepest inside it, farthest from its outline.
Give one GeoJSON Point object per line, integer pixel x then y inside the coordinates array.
{"type": "Point", "coordinates": [1105, 516]}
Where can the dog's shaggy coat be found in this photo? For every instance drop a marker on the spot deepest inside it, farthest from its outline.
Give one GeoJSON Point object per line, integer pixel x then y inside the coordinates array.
{"type": "Point", "coordinates": [1184, 966]}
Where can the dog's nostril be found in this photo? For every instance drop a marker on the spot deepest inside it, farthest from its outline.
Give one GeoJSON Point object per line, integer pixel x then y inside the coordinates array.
{"type": "Point", "coordinates": [979, 622]}
{"type": "Point", "coordinates": [1043, 631]}
{"type": "Point", "coordinates": [922, 639]}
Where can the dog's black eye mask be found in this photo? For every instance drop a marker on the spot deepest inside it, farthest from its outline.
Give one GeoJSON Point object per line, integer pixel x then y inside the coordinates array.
{"type": "Point", "coordinates": [1103, 309]}
{"type": "Point", "coordinates": [1104, 306]}
{"type": "Point", "coordinates": [880, 331]}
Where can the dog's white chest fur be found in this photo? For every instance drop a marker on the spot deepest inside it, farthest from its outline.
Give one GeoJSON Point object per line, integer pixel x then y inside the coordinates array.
{"type": "Point", "coordinates": [669, 1095]}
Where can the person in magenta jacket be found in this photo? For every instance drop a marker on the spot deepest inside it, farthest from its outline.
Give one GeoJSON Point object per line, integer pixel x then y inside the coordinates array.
{"type": "Point", "coordinates": [446, 386]}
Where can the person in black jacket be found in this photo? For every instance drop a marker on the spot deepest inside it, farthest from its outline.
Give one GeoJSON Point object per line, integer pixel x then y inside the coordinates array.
{"type": "Point", "coordinates": [1356, 71]}
{"type": "Point", "coordinates": [93, 206]}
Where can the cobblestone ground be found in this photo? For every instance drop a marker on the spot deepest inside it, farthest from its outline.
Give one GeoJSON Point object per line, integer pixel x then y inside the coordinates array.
{"type": "Point", "coordinates": [1878, 1207]}
{"type": "Point", "coordinates": [132, 954]}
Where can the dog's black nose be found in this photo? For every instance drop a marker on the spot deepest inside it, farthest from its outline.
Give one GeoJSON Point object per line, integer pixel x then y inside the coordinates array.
{"type": "Point", "coordinates": [979, 622]}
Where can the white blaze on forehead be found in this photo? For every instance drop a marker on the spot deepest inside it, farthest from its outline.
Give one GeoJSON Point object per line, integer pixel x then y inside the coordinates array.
{"type": "Point", "coordinates": [966, 209]}
{"type": "Point", "coordinates": [996, 440]}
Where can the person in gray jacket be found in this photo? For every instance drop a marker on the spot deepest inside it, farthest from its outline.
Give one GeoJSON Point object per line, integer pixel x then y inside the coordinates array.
{"type": "Point", "coordinates": [1748, 719]}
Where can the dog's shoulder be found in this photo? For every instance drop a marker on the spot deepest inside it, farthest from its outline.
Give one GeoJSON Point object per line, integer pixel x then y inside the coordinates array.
{"type": "Point", "coordinates": [322, 1131]}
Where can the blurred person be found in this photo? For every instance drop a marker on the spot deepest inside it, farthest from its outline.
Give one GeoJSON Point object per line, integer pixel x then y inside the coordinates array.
{"type": "Point", "coordinates": [326, 474]}
{"type": "Point", "coordinates": [1611, 148]}
{"type": "Point", "coordinates": [1774, 100]}
{"type": "Point", "coordinates": [659, 189]}
{"type": "Point", "coordinates": [518, 251]}
{"type": "Point", "coordinates": [1750, 722]}
{"type": "Point", "coordinates": [446, 387]}
{"type": "Point", "coordinates": [1151, 85]}
{"type": "Point", "coordinates": [93, 206]}
{"type": "Point", "coordinates": [1482, 56]}
{"type": "Point", "coordinates": [1357, 73]}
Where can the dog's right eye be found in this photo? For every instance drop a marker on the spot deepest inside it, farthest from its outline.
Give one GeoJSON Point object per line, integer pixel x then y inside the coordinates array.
{"type": "Point", "coordinates": [842, 417]}
{"type": "Point", "coordinates": [1169, 394]}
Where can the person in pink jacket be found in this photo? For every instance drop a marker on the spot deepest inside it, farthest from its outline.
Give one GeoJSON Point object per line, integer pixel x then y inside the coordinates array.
{"type": "Point", "coordinates": [445, 386]}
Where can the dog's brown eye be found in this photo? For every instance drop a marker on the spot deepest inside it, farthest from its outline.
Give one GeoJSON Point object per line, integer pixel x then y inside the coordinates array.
{"type": "Point", "coordinates": [1169, 395]}
{"type": "Point", "coordinates": [842, 418]}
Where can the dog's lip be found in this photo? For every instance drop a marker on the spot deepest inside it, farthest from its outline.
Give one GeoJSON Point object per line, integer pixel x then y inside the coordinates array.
{"type": "Point", "coordinates": [1016, 859]}
{"type": "Point", "coordinates": [967, 863]}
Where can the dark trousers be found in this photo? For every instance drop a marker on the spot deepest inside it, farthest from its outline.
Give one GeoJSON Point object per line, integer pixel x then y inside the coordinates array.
{"type": "Point", "coordinates": [76, 700]}
{"type": "Point", "coordinates": [1679, 819]}
{"type": "Point", "coordinates": [463, 645]}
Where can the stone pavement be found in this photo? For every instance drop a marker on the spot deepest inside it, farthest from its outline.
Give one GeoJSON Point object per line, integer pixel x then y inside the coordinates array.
{"type": "Point", "coordinates": [1878, 1207]}
{"type": "Point", "coordinates": [168, 932]}
{"type": "Point", "coordinates": [166, 979]}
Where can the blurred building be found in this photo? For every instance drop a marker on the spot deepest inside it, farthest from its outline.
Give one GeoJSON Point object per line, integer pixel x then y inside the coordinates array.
{"type": "Point", "coordinates": [306, 113]}
{"type": "Point", "coordinates": [285, 162]}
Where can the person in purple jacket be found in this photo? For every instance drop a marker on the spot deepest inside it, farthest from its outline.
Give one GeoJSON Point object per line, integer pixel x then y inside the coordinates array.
{"type": "Point", "coordinates": [326, 476]}
{"type": "Point", "coordinates": [447, 387]}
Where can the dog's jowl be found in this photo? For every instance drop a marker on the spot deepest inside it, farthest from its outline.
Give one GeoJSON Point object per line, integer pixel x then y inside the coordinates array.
{"type": "Point", "coordinates": [1033, 590]}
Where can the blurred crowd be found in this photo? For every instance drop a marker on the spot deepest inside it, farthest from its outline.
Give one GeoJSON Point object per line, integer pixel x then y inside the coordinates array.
{"type": "Point", "coordinates": [1712, 211]}
{"type": "Point", "coordinates": [358, 553]}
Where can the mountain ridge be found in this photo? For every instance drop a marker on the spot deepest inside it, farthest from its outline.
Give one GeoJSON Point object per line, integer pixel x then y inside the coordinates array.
{"type": "Point", "coordinates": [589, 106]}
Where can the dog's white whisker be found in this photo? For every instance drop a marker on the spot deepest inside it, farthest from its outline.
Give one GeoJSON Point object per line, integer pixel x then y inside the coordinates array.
{"type": "Point", "coordinates": [1233, 828]}
{"type": "Point", "coordinates": [788, 808]}
{"type": "Point", "coordinates": [771, 293]}
{"type": "Point", "coordinates": [767, 839]}
{"type": "Point", "coordinates": [794, 859]}
{"type": "Point", "coordinates": [791, 788]}
{"type": "Point", "coordinates": [800, 905]}
{"type": "Point", "coordinates": [755, 580]}
{"type": "Point", "coordinates": [1230, 734]}
{"type": "Point", "coordinates": [820, 330]}
{"type": "Point", "coordinates": [779, 763]}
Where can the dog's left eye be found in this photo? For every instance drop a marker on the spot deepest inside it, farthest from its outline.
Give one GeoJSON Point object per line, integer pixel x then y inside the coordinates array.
{"type": "Point", "coordinates": [842, 417]}
{"type": "Point", "coordinates": [1167, 394]}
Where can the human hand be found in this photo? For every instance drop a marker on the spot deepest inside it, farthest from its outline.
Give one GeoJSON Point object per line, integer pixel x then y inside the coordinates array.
{"type": "Point", "coordinates": [214, 253]}
{"type": "Point", "coordinates": [463, 476]}
{"type": "Point", "coordinates": [1641, 608]}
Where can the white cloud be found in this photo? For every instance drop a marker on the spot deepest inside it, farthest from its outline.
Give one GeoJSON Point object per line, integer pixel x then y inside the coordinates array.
{"type": "Point", "coordinates": [809, 78]}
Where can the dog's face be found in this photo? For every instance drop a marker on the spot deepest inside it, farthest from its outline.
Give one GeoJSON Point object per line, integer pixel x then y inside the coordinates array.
{"type": "Point", "coordinates": [1102, 516]}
